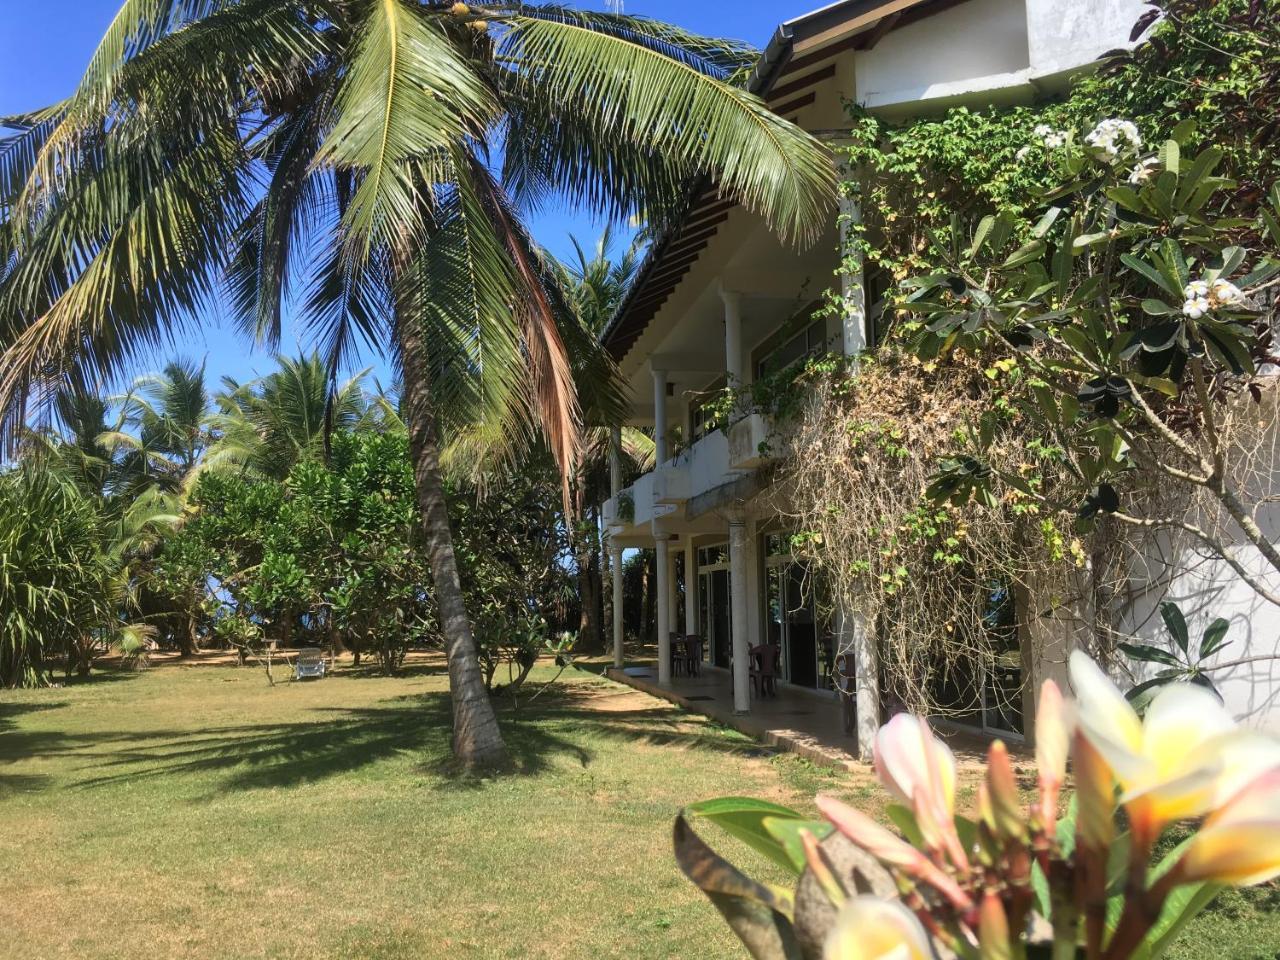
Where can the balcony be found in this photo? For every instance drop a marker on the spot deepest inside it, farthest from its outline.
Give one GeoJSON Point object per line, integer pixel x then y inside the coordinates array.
{"type": "Point", "coordinates": [750, 443]}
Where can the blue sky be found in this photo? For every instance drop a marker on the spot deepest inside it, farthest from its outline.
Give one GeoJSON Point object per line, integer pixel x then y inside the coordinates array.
{"type": "Point", "coordinates": [44, 46]}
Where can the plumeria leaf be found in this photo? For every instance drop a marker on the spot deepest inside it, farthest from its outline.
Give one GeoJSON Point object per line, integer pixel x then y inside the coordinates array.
{"type": "Point", "coordinates": [786, 832]}
{"type": "Point", "coordinates": [1176, 624]}
{"type": "Point", "coordinates": [1215, 637]}
{"type": "Point", "coordinates": [744, 818]}
{"type": "Point", "coordinates": [759, 915]}
{"type": "Point", "coordinates": [1151, 273]}
{"type": "Point", "coordinates": [1145, 653]}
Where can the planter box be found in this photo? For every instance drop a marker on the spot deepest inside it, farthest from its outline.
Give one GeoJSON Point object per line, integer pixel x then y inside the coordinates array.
{"type": "Point", "coordinates": [749, 441]}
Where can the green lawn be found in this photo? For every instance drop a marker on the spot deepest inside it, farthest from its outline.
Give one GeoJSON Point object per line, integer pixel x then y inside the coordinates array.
{"type": "Point", "coordinates": [197, 812]}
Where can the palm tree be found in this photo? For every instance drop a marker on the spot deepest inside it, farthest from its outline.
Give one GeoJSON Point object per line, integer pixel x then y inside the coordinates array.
{"type": "Point", "coordinates": [270, 424]}
{"type": "Point", "coordinates": [168, 413]}
{"type": "Point", "coordinates": [595, 287]}
{"type": "Point", "coordinates": [372, 155]}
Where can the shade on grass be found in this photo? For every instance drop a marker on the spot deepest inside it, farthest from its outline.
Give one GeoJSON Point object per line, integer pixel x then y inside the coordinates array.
{"type": "Point", "coordinates": [197, 812]}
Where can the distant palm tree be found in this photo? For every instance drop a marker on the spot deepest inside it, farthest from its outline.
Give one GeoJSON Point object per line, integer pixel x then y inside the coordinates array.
{"type": "Point", "coordinates": [595, 286]}
{"type": "Point", "coordinates": [372, 155]}
{"type": "Point", "coordinates": [165, 429]}
{"type": "Point", "coordinates": [268, 425]}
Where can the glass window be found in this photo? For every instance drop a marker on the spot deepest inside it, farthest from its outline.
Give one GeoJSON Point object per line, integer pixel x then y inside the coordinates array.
{"type": "Point", "coordinates": [809, 342]}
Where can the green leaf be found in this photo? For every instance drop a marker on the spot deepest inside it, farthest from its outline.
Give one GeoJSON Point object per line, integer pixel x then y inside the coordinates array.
{"type": "Point", "coordinates": [1027, 252]}
{"type": "Point", "coordinates": [1090, 240]}
{"type": "Point", "coordinates": [1158, 308]}
{"type": "Point", "coordinates": [1146, 653]}
{"type": "Point", "coordinates": [1046, 221]}
{"type": "Point", "coordinates": [1214, 637]}
{"type": "Point", "coordinates": [787, 832]}
{"type": "Point", "coordinates": [743, 818]}
{"type": "Point", "coordinates": [759, 915]}
{"type": "Point", "coordinates": [1151, 273]}
{"type": "Point", "coordinates": [1231, 259]}
{"type": "Point", "coordinates": [905, 821]}
{"type": "Point", "coordinates": [980, 235]}
{"type": "Point", "coordinates": [1176, 624]}
{"type": "Point", "coordinates": [1184, 131]}
{"type": "Point", "coordinates": [1184, 904]}
{"type": "Point", "coordinates": [1169, 154]}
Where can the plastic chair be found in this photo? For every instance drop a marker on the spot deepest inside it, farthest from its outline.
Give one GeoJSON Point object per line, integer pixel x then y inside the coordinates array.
{"type": "Point", "coordinates": [764, 669]}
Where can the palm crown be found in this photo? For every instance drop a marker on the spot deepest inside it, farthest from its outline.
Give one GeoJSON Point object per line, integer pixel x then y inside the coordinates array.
{"type": "Point", "coordinates": [365, 155]}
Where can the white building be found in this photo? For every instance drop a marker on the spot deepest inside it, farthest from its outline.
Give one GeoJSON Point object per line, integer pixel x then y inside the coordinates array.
{"type": "Point", "coordinates": [721, 300]}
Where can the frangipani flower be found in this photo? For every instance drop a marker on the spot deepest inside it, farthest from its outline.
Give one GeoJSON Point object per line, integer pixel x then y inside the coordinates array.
{"type": "Point", "coordinates": [868, 928]}
{"type": "Point", "coordinates": [1239, 843]}
{"type": "Point", "coordinates": [1173, 764]}
{"type": "Point", "coordinates": [1201, 297]}
{"type": "Point", "coordinates": [1115, 138]}
{"type": "Point", "coordinates": [920, 771]}
{"type": "Point", "coordinates": [890, 849]}
{"type": "Point", "coordinates": [1143, 171]}
{"type": "Point", "coordinates": [1055, 723]}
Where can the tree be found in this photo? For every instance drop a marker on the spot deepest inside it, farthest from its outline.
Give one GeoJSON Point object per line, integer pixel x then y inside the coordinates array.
{"type": "Point", "coordinates": [270, 424]}
{"type": "Point", "coordinates": [168, 416]}
{"type": "Point", "coordinates": [595, 287]}
{"type": "Point", "coordinates": [246, 135]}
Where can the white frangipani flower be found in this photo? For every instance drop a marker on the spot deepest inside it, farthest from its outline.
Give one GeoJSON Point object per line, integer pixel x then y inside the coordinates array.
{"type": "Point", "coordinates": [1196, 307]}
{"type": "Point", "coordinates": [1226, 293]}
{"type": "Point", "coordinates": [1144, 171]}
{"type": "Point", "coordinates": [1203, 297]}
{"type": "Point", "coordinates": [1116, 138]}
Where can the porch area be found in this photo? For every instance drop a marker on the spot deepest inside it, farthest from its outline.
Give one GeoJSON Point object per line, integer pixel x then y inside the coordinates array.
{"type": "Point", "coordinates": [799, 721]}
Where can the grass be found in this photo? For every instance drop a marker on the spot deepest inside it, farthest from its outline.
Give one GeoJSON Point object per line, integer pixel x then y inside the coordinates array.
{"type": "Point", "coordinates": [197, 812]}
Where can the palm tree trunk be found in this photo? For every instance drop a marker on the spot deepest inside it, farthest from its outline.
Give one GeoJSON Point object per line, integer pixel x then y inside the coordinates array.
{"type": "Point", "coordinates": [477, 740]}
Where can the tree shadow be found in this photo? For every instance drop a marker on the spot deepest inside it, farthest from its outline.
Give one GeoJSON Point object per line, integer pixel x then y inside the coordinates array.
{"type": "Point", "coordinates": [335, 741]}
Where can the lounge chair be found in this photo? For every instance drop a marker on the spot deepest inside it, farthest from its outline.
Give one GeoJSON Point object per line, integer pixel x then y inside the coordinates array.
{"type": "Point", "coordinates": [310, 665]}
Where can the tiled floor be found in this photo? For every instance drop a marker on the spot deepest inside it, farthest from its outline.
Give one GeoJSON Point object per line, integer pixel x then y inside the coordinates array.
{"type": "Point", "coordinates": [804, 723]}
{"type": "Point", "coordinates": [809, 724]}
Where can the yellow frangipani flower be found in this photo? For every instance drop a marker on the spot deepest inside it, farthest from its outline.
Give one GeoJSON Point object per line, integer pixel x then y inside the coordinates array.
{"type": "Point", "coordinates": [869, 928]}
{"type": "Point", "coordinates": [1239, 843]}
{"type": "Point", "coordinates": [1179, 760]}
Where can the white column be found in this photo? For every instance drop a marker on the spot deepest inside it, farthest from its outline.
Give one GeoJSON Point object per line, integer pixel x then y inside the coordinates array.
{"type": "Point", "coordinates": [673, 585]}
{"type": "Point", "coordinates": [755, 628]}
{"type": "Point", "coordinates": [615, 461]}
{"type": "Point", "coordinates": [738, 614]}
{"type": "Point", "coordinates": [852, 275]}
{"type": "Point", "coordinates": [616, 553]}
{"type": "Point", "coordinates": [690, 586]}
{"type": "Point", "coordinates": [663, 588]}
{"type": "Point", "coordinates": [733, 336]}
{"type": "Point", "coordinates": [857, 639]}
{"type": "Point", "coordinates": [660, 415]}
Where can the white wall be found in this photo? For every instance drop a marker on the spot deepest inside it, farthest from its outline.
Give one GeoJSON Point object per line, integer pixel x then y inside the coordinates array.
{"type": "Point", "coordinates": [926, 58]}
{"type": "Point", "coordinates": [1062, 34]}
{"type": "Point", "coordinates": [994, 48]}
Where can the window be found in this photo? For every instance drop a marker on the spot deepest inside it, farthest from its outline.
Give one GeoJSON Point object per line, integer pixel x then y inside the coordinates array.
{"type": "Point", "coordinates": [809, 342]}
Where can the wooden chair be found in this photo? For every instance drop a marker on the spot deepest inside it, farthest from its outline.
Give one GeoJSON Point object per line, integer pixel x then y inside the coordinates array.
{"type": "Point", "coordinates": [310, 665]}
{"type": "Point", "coordinates": [764, 669]}
{"type": "Point", "coordinates": [846, 686]}
{"type": "Point", "coordinates": [693, 654]}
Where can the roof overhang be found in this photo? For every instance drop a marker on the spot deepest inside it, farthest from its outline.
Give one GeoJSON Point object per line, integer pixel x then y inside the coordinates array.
{"type": "Point", "coordinates": [797, 44]}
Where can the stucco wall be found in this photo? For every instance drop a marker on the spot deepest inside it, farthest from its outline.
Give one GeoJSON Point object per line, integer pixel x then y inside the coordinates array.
{"type": "Point", "coordinates": [973, 40]}
{"type": "Point", "coordinates": [1062, 34]}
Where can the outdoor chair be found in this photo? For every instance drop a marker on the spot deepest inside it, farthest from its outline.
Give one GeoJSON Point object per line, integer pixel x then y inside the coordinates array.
{"type": "Point", "coordinates": [693, 654]}
{"type": "Point", "coordinates": [764, 669]}
{"type": "Point", "coordinates": [845, 686]}
{"type": "Point", "coordinates": [310, 664]}
{"type": "Point", "coordinates": [677, 653]}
